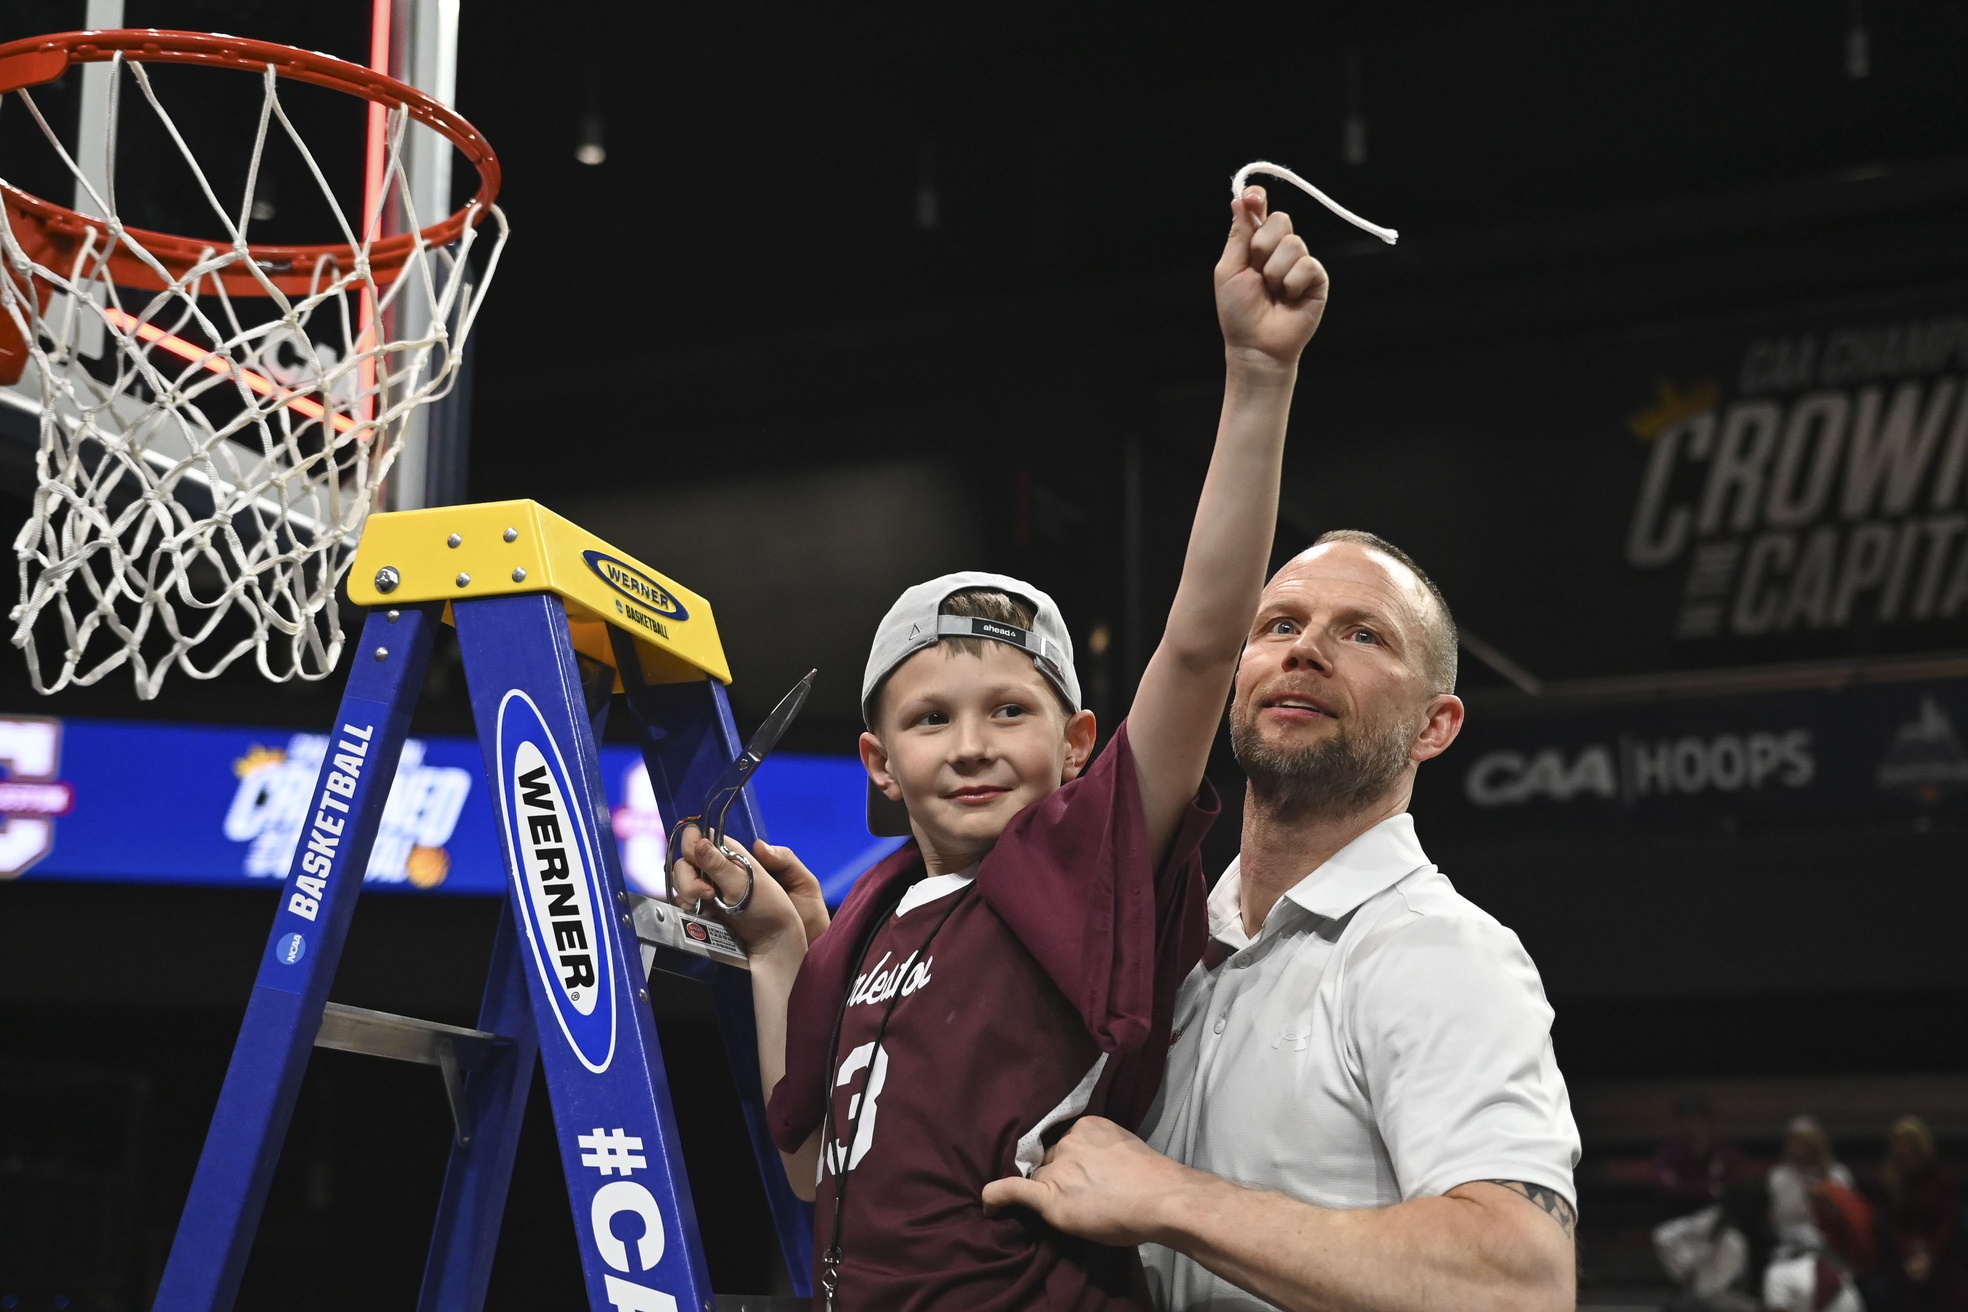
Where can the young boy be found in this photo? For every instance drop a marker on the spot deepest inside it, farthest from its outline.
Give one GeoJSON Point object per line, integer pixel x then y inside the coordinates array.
{"type": "Point", "coordinates": [1015, 966]}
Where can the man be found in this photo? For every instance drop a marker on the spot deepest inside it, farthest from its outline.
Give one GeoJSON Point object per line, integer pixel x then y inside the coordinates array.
{"type": "Point", "coordinates": [1693, 1169]}
{"type": "Point", "coordinates": [1362, 1110]}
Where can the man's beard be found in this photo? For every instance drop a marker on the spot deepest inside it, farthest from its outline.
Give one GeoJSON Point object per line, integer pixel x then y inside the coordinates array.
{"type": "Point", "coordinates": [1339, 777]}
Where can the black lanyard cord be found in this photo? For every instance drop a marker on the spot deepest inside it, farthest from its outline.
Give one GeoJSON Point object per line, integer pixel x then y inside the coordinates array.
{"type": "Point", "coordinates": [830, 1261]}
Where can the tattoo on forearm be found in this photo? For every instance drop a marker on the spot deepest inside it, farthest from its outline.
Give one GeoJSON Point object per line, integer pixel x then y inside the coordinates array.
{"type": "Point", "coordinates": [1549, 1199]}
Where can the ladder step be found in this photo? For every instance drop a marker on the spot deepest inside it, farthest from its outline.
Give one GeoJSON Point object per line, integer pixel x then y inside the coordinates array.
{"type": "Point", "coordinates": [404, 1038]}
{"type": "Point", "coordinates": [453, 1049]}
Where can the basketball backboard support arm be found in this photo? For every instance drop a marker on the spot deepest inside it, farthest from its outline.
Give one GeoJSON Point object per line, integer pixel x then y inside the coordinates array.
{"type": "Point", "coordinates": [423, 51]}
{"type": "Point", "coordinates": [92, 134]}
{"type": "Point", "coordinates": [20, 404]}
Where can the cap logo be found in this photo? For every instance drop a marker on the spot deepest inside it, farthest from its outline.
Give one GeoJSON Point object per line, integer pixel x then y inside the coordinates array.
{"type": "Point", "coordinates": [1002, 632]}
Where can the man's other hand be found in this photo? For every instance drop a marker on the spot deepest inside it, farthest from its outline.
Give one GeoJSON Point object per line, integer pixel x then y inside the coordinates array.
{"type": "Point", "coordinates": [1270, 292]}
{"type": "Point", "coordinates": [1098, 1182]}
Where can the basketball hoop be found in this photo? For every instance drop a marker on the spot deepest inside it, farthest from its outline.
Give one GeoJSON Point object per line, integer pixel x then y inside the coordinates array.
{"type": "Point", "coordinates": [203, 482]}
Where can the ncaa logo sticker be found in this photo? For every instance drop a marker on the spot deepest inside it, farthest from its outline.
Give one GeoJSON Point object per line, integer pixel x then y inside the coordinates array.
{"type": "Point", "coordinates": [635, 585]}
{"type": "Point", "coordinates": [559, 880]}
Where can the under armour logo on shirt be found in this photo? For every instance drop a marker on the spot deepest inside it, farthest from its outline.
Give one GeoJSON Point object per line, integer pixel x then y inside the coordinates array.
{"type": "Point", "coordinates": [1296, 1038]}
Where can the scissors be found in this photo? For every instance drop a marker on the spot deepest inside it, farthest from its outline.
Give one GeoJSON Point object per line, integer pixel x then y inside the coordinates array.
{"type": "Point", "coordinates": [725, 792]}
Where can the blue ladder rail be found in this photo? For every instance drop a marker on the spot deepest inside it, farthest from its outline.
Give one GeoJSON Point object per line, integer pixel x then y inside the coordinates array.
{"type": "Point", "coordinates": [566, 986]}
{"type": "Point", "coordinates": [256, 1103]}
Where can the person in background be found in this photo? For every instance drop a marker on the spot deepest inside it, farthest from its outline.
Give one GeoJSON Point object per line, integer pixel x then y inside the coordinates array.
{"type": "Point", "coordinates": [1918, 1203]}
{"type": "Point", "coordinates": [1824, 1229]}
{"type": "Point", "coordinates": [1694, 1169]}
{"type": "Point", "coordinates": [1795, 1181]}
{"type": "Point", "coordinates": [1714, 1255]}
{"type": "Point", "coordinates": [1810, 1283]}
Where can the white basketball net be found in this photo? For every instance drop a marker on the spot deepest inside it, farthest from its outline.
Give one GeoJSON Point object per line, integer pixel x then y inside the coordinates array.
{"type": "Point", "coordinates": [205, 478]}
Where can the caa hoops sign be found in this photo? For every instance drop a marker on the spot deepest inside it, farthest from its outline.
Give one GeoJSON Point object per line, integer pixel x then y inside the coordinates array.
{"type": "Point", "coordinates": [559, 880]}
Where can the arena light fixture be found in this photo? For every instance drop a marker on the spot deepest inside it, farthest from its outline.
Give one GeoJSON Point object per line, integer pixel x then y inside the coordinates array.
{"type": "Point", "coordinates": [591, 149]}
{"type": "Point", "coordinates": [1353, 129]}
{"type": "Point", "coordinates": [1858, 44]}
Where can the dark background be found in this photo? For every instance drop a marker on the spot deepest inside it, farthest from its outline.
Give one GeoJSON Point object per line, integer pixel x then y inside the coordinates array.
{"type": "Point", "coordinates": [740, 350]}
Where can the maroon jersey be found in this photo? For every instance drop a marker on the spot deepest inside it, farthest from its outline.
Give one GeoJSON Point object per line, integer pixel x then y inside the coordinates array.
{"type": "Point", "coordinates": [1005, 1006]}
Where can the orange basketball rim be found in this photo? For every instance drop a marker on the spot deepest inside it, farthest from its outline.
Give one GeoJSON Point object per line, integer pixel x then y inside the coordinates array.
{"type": "Point", "coordinates": [52, 235]}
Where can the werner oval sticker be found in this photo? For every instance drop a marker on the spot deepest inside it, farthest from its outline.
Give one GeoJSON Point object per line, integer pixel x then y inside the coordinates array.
{"type": "Point", "coordinates": [559, 882]}
{"type": "Point", "coordinates": [635, 585]}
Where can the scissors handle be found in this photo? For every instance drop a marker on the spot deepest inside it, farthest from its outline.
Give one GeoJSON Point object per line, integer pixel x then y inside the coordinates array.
{"type": "Point", "coordinates": [671, 856]}
{"type": "Point", "coordinates": [735, 856]}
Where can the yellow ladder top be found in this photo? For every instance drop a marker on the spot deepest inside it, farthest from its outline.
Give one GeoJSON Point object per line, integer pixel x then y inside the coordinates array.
{"type": "Point", "coordinates": [497, 548]}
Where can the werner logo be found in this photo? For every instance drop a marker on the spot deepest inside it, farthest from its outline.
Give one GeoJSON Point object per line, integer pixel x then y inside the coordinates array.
{"type": "Point", "coordinates": [559, 882]}
{"type": "Point", "coordinates": [635, 585]}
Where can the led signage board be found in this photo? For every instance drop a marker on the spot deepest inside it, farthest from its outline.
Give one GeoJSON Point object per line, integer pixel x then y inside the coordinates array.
{"type": "Point", "coordinates": [103, 800]}
{"type": "Point", "coordinates": [1867, 753]}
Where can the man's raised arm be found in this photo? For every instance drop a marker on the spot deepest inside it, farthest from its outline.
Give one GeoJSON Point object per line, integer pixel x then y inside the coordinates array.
{"type": "Point", "coordinates": [1270, 295]}
{"type": "Point", "coordinates": [1485, 1246]}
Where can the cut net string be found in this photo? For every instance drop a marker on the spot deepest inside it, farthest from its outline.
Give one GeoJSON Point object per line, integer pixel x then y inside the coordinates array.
{"type": "Point", "coordinates": [1242, 180]}
{"type": "Point", "coordinates": [204, 479]}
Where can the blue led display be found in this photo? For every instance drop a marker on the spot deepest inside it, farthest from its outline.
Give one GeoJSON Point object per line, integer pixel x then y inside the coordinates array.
{"type": "Point", "coordinates": [199, 804]}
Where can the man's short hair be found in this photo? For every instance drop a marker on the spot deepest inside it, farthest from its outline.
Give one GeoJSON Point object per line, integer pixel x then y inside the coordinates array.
{"type": "Point", "coordinates": [1440, 645]}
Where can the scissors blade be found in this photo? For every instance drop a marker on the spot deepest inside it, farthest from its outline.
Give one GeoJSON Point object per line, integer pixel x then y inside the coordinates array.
{"type": "Point", "coordinates": [736, 775]}
{"type": "Point", "coordinates": [774, 728]}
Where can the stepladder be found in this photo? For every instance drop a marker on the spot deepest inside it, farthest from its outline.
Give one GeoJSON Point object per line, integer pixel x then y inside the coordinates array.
{"type": "Point", "coordinates": [552, 624]}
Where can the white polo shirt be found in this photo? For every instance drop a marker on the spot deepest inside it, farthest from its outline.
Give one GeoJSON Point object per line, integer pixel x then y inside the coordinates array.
{"type": "Point", "coordinates": [1381, 1039]}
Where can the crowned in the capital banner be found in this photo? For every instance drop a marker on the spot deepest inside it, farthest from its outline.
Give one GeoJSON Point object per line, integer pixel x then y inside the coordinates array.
{"type": "Point", "coordinates": [1778, 488]}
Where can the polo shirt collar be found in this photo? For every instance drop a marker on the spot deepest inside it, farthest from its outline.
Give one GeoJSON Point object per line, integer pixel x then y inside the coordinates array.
{"type": "Point", "coordinates": [1376, 860]}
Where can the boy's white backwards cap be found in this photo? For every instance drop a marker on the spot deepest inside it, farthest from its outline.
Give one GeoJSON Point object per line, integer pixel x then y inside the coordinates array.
{"type": "Point", "coordinates": [914, 622]}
